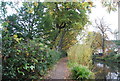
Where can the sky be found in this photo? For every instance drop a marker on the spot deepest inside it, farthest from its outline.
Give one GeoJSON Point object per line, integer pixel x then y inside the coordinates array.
{"type": "Point", "coordinates": [110, 18]}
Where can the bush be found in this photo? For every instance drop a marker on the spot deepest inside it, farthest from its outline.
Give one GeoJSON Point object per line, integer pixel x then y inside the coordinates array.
{"type": "Point", "coordinates": [81, 54]}
{"type": "Point", "coordinates": [26, 60]}
{"type": "Point", "coordinates": [81, 72]}
{"type": "Point", "coordinates": [117, 56]}
{"type": "Point", "coordinates": [113, 58]}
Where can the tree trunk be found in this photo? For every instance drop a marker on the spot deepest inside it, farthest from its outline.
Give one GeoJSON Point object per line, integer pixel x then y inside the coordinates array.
{"type": "Point", "coordinates": [103, 44]}
{"type": "Point", "coordinates": [59, 48]}
{"type": "Point", "coordinates": [54, 40]}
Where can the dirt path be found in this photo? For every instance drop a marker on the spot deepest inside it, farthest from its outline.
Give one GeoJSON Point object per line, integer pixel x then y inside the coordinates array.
{"type": "Point", "coordinates": [60, 71]}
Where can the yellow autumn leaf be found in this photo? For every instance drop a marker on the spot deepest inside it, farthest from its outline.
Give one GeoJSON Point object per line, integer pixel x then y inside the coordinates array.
{"type": "Point", "coordinates": [83, 3]}
{"type": "Point", "coordinates": [17, 39]}
{"type": "Point", "coordinates": [17, 53]}
{"type": "Point", "coordinates": [51, 12]}
{"type": "Point", "coordinates": [30, 11]}
{"type": "Point", "coordinates": [5, 29]}
{"type": "Point", "coordinates": [61, 7]}
{"type": "Point", "coordinates": [27, 54]}
{"type": "Point", "coordinates": [67, 7]}
{"type": "Point", "coordinates": [35, 4]}
{"type": "Point", "coordinates": [91, 4]}
{"type": "Point", "coordinates": [15, 36]}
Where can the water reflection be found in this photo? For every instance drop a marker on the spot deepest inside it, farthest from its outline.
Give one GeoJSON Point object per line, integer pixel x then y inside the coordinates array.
{"type": "Point", "coordinates": [99, 64]}
{"type": "Point", "coordinates": [112, 75]}
{"type": "Point", "coordinates": [107, 70]}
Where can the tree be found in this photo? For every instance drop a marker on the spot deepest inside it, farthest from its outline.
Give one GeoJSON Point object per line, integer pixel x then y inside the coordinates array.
{"type": "Point", "coordinates": [30, 22]}
{"type": "Point", "coordinates": [110, 4]}
{"type": "Point", "coordinates": [49, 21]}
{"type": "Point", "coordinates": [69, 39]}
{"type": "Point", "coordinates": [103, 28]}
{"type": "Point", "coordinates": [31, 59]}
{"type": "Point", "coordinates": [67, 17]}
{"type": "Point", "coordinates": [95, 40]}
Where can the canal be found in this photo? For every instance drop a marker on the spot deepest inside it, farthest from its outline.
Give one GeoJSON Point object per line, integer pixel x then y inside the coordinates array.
{"type": "Point", "coordinates": [106, 70]}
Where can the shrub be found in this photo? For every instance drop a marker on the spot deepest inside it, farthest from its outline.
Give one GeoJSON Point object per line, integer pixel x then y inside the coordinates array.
{"type": "Point", "coordinates": [26, 60]}
{"type": "Point", "coordinates": [81, 72]}
{"type": "Point", "coordinates": [117, 55]}
{"type": "Point", "coordinates": [113, 57]}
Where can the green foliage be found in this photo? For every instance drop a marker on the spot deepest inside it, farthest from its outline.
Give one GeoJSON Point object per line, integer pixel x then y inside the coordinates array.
{"type": "Point", "coordinates": [111, 5]}
{"type": "Point", "coordinates": [81, 72]}
{"type": "Point", "coordinates": [29, 21]}
{"type": "Point", "coordinates": [67, 18]}
{"type": "Point", "coordinates": [46, 21]}
{"type": "Point", "coordinates": [4, 24]}
{"type": "Point", "coordinates": [117, 42]}
{"type": "Point", "coordinates": [28, 59]}
{"type": "Point", "coordinates": [28, 36]}
{"type": "Point", "coordinates": [117, 56]}
{"type": "Point", "coordinates": [80, 57]}
{"type": "Point", "coordinates": [96, 40]}
{"type": "Point", "coordinates": [113, 57]}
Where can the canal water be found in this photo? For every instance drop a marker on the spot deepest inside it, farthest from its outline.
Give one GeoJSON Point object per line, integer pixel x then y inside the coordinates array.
{"type": "Point", "coordinates": [107, 70]}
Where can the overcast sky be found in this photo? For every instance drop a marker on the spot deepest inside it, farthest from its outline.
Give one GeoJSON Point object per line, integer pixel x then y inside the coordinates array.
{"type": "Point", "coordinates": [110, 18]}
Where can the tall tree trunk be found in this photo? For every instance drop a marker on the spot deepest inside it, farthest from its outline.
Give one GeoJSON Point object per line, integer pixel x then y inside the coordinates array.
{"type": "Point", "coordinates": [54, 40]}
{"type": "Point", "coordinates": [103, 44]}
{"type": "Point", "coordinates": [59, 48]}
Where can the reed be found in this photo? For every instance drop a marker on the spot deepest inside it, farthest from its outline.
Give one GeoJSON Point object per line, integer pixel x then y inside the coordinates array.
{"type": "Point", "coordinates": [81, 54]}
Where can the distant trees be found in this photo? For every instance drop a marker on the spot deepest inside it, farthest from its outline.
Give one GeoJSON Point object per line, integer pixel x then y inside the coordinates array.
{"type": "Point", "coordinates": [103, 28]}
{"type": "Point", "coordinates": [95, 40]}
{"type": "Point", "coordinates": [111, 5]}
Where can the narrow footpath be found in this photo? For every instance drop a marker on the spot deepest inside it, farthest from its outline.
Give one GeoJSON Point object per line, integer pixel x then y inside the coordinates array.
{"type": "Point", "coordinates": [60, 71]}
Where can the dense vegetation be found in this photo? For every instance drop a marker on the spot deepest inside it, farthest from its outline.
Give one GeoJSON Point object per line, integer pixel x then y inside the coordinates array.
{"type": "Point", "coordinates": [81, 60]}
{"type": "Point", "coordinates": [35, 37]}
{"type": "Point", "coordinates": [38, 34]}
{"type": "Point", "coordinates": [80, 72]}
{"type": "Point", "coordinates": [82, 57]}
{"type": "Point", "coordinates": [26, 59]}
{"type": "Point", "coordinates": [117, 42]}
